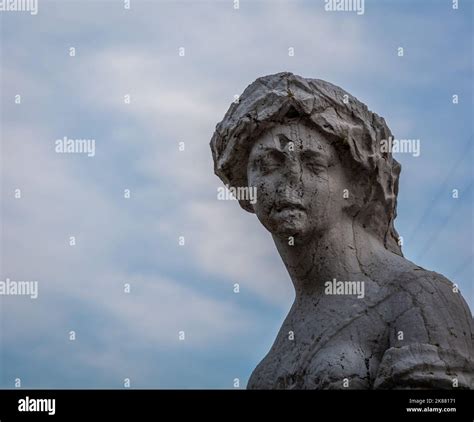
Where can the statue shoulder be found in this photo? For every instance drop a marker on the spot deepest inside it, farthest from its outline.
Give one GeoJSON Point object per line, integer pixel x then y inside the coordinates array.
{"type": "Point", "coordinates": [431, 335]}
{"type": "Point", "coordinates": [434, 294]}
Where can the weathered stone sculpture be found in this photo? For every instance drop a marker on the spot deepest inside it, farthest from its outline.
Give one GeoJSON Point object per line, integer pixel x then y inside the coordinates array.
{"type": "Point", "coordinates": [364, 317]}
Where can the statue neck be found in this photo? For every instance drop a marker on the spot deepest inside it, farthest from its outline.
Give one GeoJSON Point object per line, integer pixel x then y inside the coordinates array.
{"type": "Point", "coordinates": [332, 254]}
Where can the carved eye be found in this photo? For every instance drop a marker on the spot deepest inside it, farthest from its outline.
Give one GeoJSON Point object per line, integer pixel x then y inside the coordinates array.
{"type": "Point", "coordinates": [313, 161]}
{"type": "Point", "coordinates": [314, 167]}
{"type": "Point", "coordinates": [272, 160]}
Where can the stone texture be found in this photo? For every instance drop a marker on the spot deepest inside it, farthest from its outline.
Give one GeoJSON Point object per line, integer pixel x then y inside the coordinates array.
{"type": "Point", "coordinates": [328, 195]}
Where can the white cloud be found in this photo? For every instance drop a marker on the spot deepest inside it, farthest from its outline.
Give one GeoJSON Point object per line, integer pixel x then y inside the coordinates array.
{"type": "Point", "coordinates": [36, 228]}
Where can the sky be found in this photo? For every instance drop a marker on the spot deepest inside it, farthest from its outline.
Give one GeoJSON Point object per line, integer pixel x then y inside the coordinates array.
{"type": "Point", "coordinates": [190, 288]}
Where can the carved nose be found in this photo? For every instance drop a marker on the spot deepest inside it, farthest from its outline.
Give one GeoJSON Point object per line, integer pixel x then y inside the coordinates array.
{"type": "Point", "coordinates": [293, 173]}
{"type": "Point", "coordinates": [290, 190]}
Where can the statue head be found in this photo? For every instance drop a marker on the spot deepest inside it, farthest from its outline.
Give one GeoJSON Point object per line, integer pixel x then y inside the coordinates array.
{"type": "Point", "coordinates": [314, 154]}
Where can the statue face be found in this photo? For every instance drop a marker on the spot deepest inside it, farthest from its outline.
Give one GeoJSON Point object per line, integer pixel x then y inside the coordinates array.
{"type": "Point", "coordinates": [299, 180]}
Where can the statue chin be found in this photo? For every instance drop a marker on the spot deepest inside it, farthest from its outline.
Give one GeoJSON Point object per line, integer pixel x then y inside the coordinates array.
{"type": "Point", "coordinates": [288, 223]}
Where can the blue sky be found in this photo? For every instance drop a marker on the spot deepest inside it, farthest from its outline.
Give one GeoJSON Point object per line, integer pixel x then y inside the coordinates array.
{"type": "Point", "coordinates": [180, 99]}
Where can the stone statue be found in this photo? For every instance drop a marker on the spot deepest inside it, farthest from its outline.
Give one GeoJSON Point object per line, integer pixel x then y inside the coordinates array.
{"type": "Point", "coordinates": [364, 317]}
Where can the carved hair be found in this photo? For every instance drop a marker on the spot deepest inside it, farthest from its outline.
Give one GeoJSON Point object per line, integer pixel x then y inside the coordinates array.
{"type": "Point", "coordinates": [352, 128]}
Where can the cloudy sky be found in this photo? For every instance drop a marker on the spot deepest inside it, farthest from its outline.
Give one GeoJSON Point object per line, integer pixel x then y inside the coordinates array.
{"type": "Point", "coordinates": [173, 99]}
